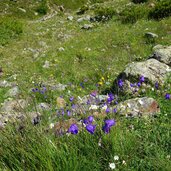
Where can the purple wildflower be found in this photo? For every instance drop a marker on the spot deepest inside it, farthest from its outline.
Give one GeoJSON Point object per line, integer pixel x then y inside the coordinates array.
{"type": "Point", "coordinates": [91, 128]}
{"type": "Point", "coordinates": [167, 96]}
{"type": "Point", "coordinates": [68, 113]}
{"type": "Point", "coordinates": [90, 119]}
{"type": "Point", "coordinates": [94, 93]}
{"type": "Point", "coordinates": [157, 85]}
{"type": "Point", "coordinates": [71, 99]}
{"type": "Point", "coordinates": [138, 84]}
{"type": "Point", "coordinates": [110, 122]}
{"type": "Point", "coordinates": [142, 79]}
{"type": "Point", "coordinates": [107, 110]}
{"type": "Point", "coordinates": [114, 110]}
{"type": "Point", "coordinates": [131, 85]}
{"type": "Point", "coordinates": [73, 129]}
{"type": "Point", "coordinates": [106, 129]}
{"type": "Point", "coordinates": [120, 83]}
{"type": "Point", "coordinates": [82, 85]}
{"type": "Point", "coordinates": [85, 121]}
{"type": "Point", "coordinates": [110, 98]}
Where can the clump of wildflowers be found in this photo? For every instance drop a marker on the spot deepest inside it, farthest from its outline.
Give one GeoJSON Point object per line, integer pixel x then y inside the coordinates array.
{"type": "Point", "coordinates": [108, 124]}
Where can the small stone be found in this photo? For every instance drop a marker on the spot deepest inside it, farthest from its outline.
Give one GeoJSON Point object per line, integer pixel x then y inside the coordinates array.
{"type": "Point", "coordinates": [87, 26]}
{"type": "Point", "coordinates": [13, 92]}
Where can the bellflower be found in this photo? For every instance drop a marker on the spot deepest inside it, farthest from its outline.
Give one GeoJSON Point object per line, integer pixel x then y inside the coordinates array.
{"type": "Point", "coordinates": [107, 110]}
{"type": "Point", "coordinates": [157, 85]}
{"type": "Point", "coordinates": [138, 84]}
{"type": "Point", "coordinates": [73, 129]}
{"type": "Point", "coordinates": [120, 83]}
{"type": "Point", "coordinates": [91, 128]}
{"type": "Point", "coordinates": [110, 122]}
{"type": "Point", "coordinates": [71, 99]}
{"type": "Point", "coordinates": [167, 96]}
{"type": "Point", "coordinates": [142, 79]}
{"type": "Point", "coordinates": [90, 119]}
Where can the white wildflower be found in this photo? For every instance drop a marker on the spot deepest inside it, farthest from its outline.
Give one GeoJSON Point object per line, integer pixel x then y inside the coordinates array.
{"type": "Point", "coordinates": [104, 107]}
{"type": "Point", "coordinates": [112, 165]}
{"type": "Point", "coordinates": [93, 107]}
{"type": "Point", "coordinates": [116, 157]}
{"type": "Point", "coordinates": [123, 162]}
{"type": "Point", "coordinates": [51, 125]}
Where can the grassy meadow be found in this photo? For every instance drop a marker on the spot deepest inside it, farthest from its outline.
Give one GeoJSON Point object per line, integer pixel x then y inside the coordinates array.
{"type": "Point", "coordinates": [85, 61]}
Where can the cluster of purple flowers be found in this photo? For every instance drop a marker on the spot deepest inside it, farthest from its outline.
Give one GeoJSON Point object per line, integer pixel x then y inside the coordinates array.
{"type": "Point", "coordinates": [73, 129]}
{"type": "Point", "coordinates": [41, 89]}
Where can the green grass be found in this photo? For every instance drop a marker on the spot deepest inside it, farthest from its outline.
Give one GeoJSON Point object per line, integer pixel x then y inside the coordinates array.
{"type": "Point", "coordinates": [89, 54]}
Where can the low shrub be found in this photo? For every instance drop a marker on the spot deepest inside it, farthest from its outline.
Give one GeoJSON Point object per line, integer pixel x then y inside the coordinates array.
{"type": "Point", "coordinates": [9, 28]}
{"type": "Point", "coordinates": [161, 10]}
{"type": "Point", "coordinates": [132, 13]}
{"type": "Point", "coordinates": [104, 13]}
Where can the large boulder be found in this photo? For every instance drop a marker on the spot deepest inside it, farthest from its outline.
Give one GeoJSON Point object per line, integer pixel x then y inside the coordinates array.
{"type": "Point", "coordinates": [163, 54]}
{"type": "Point", "coordinates": [153, 71]}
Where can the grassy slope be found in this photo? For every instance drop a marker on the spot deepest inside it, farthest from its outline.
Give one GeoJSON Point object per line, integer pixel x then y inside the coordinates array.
{"type": "Point", "coordinates": [113, 45]}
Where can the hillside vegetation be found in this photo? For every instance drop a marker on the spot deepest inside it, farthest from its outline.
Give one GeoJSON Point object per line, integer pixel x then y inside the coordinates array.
{"type": "Point", "coordinates": [82, 46]}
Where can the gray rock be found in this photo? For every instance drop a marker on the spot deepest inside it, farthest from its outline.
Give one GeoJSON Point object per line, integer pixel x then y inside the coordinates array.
{"type": "Point", "coordinates": [163, 54]}
{"type": "Point", "coordinates": [153, 71]}
{"type": "Point", "coordinates": [144, 106]}
{"type": "Point", "coordinates": [5, 83]}
{"type": "Point", "coordinates": [87, 26]}
{"type": "Point", "coordinates": [70, 18]}
{"type": "Point", "coordinates": [58, 87]}
{"type": "Point", "coordinates": [13, 92]}
{"type": "Point", "coordinates": [13, 106]}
